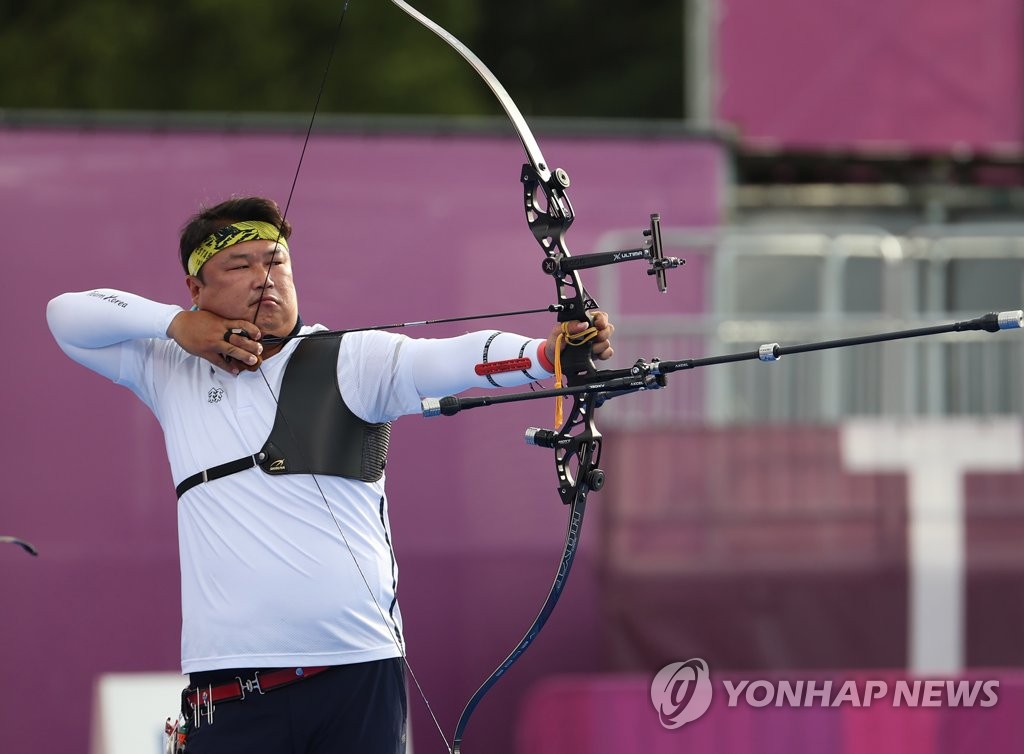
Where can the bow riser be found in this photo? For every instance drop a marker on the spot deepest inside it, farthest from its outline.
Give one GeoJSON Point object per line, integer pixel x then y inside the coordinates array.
{"type": "Point", "coordinates": [549, 214]}
{"type": "Point", "coordinates": [578, 453]}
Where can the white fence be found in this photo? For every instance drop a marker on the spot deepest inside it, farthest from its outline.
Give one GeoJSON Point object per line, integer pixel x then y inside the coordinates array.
{"type": "Point", "coordinates": [797, 285]}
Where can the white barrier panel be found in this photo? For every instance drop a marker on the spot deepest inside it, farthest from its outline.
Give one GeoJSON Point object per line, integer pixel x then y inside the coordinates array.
{"type": "Point", "coordinates": [129, 710]}
{"type": "Point", "coordinates": [935, 454]}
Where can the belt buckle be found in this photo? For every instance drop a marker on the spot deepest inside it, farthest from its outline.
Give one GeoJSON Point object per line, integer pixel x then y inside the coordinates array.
{"type": "Point", "coordinates": [250, 685]}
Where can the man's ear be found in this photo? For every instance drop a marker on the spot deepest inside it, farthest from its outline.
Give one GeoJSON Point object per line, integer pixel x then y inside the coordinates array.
{"type": "Point", "coordinates": [194, 286]}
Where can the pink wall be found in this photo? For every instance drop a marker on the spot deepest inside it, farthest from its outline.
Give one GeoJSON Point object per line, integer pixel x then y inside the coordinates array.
{"type": "Point", "coordinates": [877, 74]}
{"type": "Point", "coordinates": [388, 228]}
{"type": "Point", "coordinates": [778, 556]}
{"type": "Point", "coordinates": [613, 714]}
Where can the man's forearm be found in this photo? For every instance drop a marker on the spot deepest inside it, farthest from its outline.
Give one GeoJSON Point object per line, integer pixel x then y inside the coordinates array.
{"type": "Point", "coordinates": [104, 317]}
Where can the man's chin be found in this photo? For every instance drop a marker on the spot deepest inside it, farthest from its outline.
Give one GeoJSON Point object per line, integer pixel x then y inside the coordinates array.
{"type": "Point", "coordinates": [275, 326]}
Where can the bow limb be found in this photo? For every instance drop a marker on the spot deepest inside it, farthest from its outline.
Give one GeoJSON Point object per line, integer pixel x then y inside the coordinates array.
{"type": "Point", "coordinates": [572, 539]}
{"type": "Point", "coordinates": [582, 450]}
{"type": "Point", "coordinates": [26, 546]}
{"type": "Point", "coordinates": [525, 135]}
{"type": "Point", "coordinates": [549, 212]}
{"type": "Point", "coordinates": [577, 444]}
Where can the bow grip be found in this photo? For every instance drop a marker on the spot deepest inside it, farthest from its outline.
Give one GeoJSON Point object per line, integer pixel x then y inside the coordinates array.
{"type": "Point", "coordinates": [578, 361]}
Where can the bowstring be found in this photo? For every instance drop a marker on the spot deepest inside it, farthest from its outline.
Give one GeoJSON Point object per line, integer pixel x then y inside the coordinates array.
{"type": "Point", "coordinates": [399, 643]}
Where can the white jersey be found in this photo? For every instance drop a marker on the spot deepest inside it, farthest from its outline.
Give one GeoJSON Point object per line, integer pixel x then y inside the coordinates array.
{"type": "Point", "coordinates": [267, 579]}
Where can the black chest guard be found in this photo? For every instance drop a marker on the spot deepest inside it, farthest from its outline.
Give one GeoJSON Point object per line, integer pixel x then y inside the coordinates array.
{"type": "Point", "coordinates": [314, 431]}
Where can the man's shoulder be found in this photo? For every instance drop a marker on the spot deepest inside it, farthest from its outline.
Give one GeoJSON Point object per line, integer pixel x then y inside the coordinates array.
{"type": "Point", "coordinates": [358, 338]}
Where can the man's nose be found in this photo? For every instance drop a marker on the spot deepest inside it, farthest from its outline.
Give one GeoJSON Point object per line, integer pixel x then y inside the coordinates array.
{"type": "Point", "coordinates": [266, 277]}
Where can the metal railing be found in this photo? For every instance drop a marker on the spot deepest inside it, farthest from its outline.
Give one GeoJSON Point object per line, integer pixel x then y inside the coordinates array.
{"type": "Point", "coordinates": [797, 285]}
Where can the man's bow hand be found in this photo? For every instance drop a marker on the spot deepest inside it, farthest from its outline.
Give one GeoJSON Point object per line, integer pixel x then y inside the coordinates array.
{"type": "Point", "coordinates": [600, 339]}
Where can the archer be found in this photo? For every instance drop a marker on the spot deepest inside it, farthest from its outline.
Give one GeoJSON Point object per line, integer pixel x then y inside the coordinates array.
{"type": "Point", "coordinates": [277, 440]}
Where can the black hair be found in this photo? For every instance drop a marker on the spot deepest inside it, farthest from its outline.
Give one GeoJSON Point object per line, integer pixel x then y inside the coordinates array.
{"type": "Point", "coordinates": [210, 219]}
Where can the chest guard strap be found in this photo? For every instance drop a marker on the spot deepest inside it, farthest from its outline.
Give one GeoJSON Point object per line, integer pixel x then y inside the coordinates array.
{"type": "Point", "coordinates": [314, 431]}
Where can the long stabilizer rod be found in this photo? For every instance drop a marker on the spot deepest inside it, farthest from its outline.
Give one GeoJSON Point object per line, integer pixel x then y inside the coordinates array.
{"type": "Point", "coordinates": [644, 375]}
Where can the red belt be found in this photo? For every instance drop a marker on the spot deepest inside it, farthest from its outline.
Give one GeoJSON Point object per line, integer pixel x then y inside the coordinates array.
{"type": "Point", "coordinates": [202, 700]}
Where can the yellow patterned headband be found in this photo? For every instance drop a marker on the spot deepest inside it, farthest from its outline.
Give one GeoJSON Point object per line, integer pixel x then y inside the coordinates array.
{"type": "Point", "coordinates": [229, 235]}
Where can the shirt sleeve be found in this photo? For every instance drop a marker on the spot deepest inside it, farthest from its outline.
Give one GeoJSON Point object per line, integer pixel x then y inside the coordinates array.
{"type": "Point", "coordinates": [111, 332]}
{"type": "Point", "coordinates": [383, 375]}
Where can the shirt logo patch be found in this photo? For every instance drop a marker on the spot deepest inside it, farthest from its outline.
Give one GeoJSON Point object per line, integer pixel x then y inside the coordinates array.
{"type": "Point", "coordinates": [215, 395]}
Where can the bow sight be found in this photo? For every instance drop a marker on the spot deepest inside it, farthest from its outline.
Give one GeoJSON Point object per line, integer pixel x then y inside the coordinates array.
{"type": "Point", "coordinates": [652, 251]}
